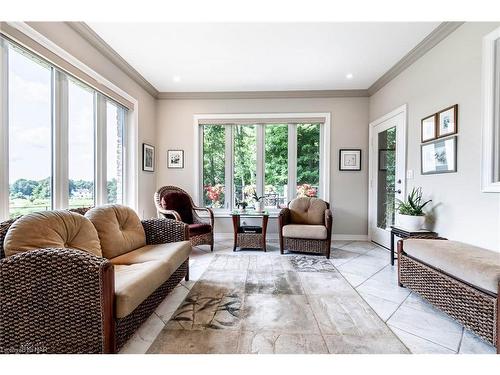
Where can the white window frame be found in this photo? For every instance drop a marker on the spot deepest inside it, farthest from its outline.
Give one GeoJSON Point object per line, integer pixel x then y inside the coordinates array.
{"type": "Point", "coordinates": [324, 183]}
{"type": "Point", "coordinates": [60, 181]}
{"type": "Point", "coordinates": [491, 112]}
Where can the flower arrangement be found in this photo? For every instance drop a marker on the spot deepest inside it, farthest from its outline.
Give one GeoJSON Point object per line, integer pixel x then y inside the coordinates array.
{"type": "Point", "coordinates": [214, 193]}
{"type": "Point", "coordinates": [306, 190]}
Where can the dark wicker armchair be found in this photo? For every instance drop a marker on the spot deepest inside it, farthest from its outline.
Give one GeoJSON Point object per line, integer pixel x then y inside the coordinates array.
{"type": "Point", "coordinates": [62, 300]}
{"type": "Point", "coordinates": [306, 226]}
{"type": "Point", "coordinates": [174, 203]}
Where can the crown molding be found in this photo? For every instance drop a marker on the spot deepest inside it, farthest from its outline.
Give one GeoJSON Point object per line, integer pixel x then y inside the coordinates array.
{"type": "Point", "coordinates": [264, 94]}
{"type": "Point", "coordinates": [431, 40]}
{"type": "Point", "coordinates": [98, 43]}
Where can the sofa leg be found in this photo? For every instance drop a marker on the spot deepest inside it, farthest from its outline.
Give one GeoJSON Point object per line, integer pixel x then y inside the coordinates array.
{"type": "Point", "coordinates": [212, 247]}
{"type": "Point", "coordinates": [187, 273]}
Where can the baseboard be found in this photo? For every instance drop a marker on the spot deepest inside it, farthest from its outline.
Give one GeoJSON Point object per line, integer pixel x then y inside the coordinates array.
{"type": "Point", "coordinates": [274, 236]}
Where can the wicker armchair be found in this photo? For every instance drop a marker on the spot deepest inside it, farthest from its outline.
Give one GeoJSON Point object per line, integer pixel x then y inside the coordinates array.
{"type": "Point", "coordinates": [62, 300]}
{"type": "Point", "coordinates": [306, 226]}
{"type": "Point", "coordinates": [174, 203]}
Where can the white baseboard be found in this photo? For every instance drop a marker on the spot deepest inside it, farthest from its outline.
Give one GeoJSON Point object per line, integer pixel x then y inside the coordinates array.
{"type": "Point", "coordinates": [274, 236]}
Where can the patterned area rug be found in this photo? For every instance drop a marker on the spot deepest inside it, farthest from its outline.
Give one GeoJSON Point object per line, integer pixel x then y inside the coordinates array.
{"type": "Point", "coordinates": [274, 304]}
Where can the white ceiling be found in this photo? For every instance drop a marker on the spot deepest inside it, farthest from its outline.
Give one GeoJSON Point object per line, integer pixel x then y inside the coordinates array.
{"type": "Point", "coordinates": [262, 56]}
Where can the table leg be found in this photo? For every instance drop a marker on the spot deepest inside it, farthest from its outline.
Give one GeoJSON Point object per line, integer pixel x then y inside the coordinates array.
{"type": "Point", "coordinates": [392, 248]}
{"type": "Point", "coordinates": [236, 226]}
{"type": "Point", "coordinates": [264, 230]}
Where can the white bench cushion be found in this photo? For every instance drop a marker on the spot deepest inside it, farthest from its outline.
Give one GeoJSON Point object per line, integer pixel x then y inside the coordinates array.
{"type": "Point", "coordinates": [474, 265]}
{"type": "Point", "coordinates": [304, 231]}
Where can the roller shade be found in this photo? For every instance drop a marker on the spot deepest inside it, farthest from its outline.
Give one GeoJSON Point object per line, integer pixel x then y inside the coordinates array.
{"type": "Point", "coordinates": [270, 120]}
{"type": "Point", "coordinates": [17, 37]}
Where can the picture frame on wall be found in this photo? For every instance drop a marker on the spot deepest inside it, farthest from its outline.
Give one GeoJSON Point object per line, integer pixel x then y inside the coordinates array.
{"type": "Point", "coordinates": [447, 121]}
{"type": "Point", "coordinates": [175, 159]}
{"type": "Point", "coordinates": [428, 128]}
{"type": "Point", "coordinates": [148, 158]}
{"type": "Point", "coordinates": [439, 156]}
{"type": "Point", "coordinates": [349, 159]}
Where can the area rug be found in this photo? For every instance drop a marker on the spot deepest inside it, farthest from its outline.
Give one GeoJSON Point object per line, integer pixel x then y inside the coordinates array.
{"type": "Point", "coordinates": [274, 304]}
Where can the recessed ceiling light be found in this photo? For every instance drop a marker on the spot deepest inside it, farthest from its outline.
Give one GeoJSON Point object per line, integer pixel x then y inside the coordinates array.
{"type": "Point", "coordinates": [349, 76]}
{"type": "Point", "coordinates": [176, 78]}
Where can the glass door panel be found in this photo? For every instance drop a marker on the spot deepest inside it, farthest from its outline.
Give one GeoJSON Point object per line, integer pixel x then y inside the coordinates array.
{"type": "Point", "coordinates": [386, 180]}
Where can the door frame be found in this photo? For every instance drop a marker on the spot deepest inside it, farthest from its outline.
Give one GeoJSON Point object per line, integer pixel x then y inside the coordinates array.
{"type": "Point", "coordinates": [371, 171]}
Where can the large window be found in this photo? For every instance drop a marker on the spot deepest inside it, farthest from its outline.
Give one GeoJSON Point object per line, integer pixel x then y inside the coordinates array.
{"type": "Point", "coordinates": [65, 140]}
{"type": "Point", "coordinates": [276, 161]}
{"type": "Point", "coordinates": [30, 158]}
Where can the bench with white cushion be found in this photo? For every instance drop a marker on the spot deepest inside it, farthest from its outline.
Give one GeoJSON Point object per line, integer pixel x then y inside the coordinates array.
{"type": "Point", "coordinates": [462, 280]}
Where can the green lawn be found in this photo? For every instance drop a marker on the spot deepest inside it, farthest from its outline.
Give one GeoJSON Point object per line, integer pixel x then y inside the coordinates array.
{"type": "Point", "coordinates": [20, 207]}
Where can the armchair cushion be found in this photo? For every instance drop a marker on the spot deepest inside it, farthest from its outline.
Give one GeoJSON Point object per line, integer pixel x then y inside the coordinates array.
{"type": "Point", "coordinates": [180, 202]}
{"type": "Point", "coordinates": [304, 231]}
{"type": "Point", "coordinates": [198, 229]}
{"type": "Point", "coordinates": [305, 210]}
{"type": "Point", "coordinates": [52, 229]}
{"type": "Point", "coordinates": [120, 229]}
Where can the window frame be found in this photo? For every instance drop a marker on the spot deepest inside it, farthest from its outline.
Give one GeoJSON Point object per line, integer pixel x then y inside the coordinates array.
{"type": "Point", "coordinates": [257, 119]}
{"type": "Point", "coordinates": [60, 136]}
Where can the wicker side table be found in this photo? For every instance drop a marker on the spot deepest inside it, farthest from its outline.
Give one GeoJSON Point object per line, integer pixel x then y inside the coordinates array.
{"type": "Point", "coordinates": [249, 240]}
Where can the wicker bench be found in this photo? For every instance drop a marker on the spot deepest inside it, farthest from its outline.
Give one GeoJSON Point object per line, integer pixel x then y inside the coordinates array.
{"type": "Point", "coordinates": [459, 279]}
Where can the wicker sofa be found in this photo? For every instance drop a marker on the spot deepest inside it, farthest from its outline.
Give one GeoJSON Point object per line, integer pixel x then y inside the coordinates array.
{"type": "Point", "coordinates": [460, 279]}
{"type": "Point", "coordinates": [306, 226]}
{"type": "Point", "coordinates": [75, 284]}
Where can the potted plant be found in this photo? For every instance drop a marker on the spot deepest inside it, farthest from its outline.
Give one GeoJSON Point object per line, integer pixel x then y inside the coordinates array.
{"type": "Point", "coordinates": [259, 201]}
{"type": "Point", "coordinates": [243, 205]}
{"type": "Point", "coordinates": [410, 212]}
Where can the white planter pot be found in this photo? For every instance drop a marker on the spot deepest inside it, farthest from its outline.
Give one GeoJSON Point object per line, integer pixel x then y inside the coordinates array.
{"type": "Point", "coordinates": [259, 206]}
{"type": "Point", "coordinates": [411, 223]}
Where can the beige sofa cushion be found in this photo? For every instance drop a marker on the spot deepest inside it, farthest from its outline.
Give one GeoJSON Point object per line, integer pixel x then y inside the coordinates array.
{"type": "Point", "coordinates": [474, 265]}
{"type": "Point", "coordinates": [52, 229]}
{"type": "Point", "coordinates": [120, 229]}
{"type": "Point", "coordinates": [140, 272]}
{"type": "Point", "coordinates": [309, 232]}
{"type": "Point", "coordinates": [306, 210]}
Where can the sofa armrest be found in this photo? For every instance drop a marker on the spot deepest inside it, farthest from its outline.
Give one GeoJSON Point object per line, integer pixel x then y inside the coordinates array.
{"type": "Point", "coordinates": [284, 218]}
{"type": "Point", "coordinates": [56, 301]}
{"type": "Point", "coordinates": [329, 222]}
{"type": "Point", "coordinates": [160, 231]}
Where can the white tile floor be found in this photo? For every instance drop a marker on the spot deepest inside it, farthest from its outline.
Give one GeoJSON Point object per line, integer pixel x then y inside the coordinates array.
{"type": "Point", "coordinates": [421, 327]}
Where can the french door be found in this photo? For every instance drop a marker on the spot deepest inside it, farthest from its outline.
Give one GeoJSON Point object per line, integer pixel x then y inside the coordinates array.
{"type": "Point", "coordinates": [387, 173]}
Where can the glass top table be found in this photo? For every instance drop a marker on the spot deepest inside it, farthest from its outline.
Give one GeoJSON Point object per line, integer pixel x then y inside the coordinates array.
{"type": "Point", "coordinates": [249, 213]}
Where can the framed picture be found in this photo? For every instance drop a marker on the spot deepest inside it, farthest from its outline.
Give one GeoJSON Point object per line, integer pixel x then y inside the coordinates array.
{"type": "Point", "coordinates": [175, 159]}
{"type": "Point", "coordinates": [148, 158]}
{"type": "Point", "coordinates": [383, 156]}
{"type": "Point", "coordinates": [439, 156]}
{"type": "Point", "coordinates": [447, 121]}
{"type": "Point", "coordinates": [428, 128]}
{"type": "Point", "coordinates": [350, 160]}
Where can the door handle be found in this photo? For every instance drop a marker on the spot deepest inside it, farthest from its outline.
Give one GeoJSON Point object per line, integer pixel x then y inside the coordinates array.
{"type": "Point", "coordinates": [398, 191]}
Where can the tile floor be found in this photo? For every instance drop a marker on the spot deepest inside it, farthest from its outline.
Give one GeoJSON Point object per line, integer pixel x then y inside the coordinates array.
{"type": "Point", "coordinates": [421, 327]}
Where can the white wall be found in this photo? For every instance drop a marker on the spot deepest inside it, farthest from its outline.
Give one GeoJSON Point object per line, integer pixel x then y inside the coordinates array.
{"type": "Point", "coordinates": [64, 36]}
{"type": "Point", "coordinates": [449, 74]}
{"type": "Point", "coordinates": [349, 129]}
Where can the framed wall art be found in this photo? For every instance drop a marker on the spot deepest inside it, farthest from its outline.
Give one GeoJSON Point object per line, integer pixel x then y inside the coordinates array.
{"type": "Point", "coordinates": [350, 159]}
{"type": "Point", "coordinates": [439, 156]}
{"type": "Point", "coordinates": [175, 159]}
{"type": "Point", "coordinates": [428, 128]}
{"type": "Point", "coordinates": [447, 121]}
{"type": "Point", "coordinates": [148, 158]}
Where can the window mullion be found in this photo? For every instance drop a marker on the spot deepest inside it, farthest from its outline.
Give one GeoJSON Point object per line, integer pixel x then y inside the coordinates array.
{"type": "Point", "coordinates": [100, 170]}
{"type": "Point", "coordinates": [60, 137]}
{"type": "Point", "coordinates": [228, 168]}
{"type": "Point", "coordinates": [259, 180]}
{"type": "Point", "coordinates": [4, 130]}
{"type": "Point", "coordinates": [292, 161]}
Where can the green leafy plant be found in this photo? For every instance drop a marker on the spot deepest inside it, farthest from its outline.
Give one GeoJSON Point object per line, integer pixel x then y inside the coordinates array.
{"type": "Point", "coordinates": [256, 197]}
{"type": "Point", "coordinates": [413, 205]}
{"type": "Point", "coordinates": [243, 205]}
